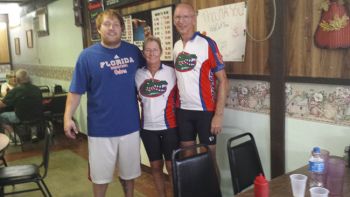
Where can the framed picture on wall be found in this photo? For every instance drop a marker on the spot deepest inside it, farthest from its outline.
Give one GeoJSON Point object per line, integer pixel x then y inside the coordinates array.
{"type": "Point", "coordinates": [29, 36]}
{"type": "Point", "coordinates": [17, 46]}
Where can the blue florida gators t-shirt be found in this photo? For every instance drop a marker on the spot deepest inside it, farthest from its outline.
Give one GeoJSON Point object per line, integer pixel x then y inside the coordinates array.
{"type": "Point", "coordinates": [108, 77]}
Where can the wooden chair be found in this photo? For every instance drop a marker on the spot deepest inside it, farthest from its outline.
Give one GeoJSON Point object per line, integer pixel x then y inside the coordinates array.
{"type": "Point", "coordinates": [244, 161]}
{"type": "Point", "coordinates": [194, 175]}
{"type": "Point", "coordinates": [20, 174]}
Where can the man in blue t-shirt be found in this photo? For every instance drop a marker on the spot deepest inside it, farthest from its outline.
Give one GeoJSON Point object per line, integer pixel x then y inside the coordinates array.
{"type": "Point", "coordinates": [106, 72]}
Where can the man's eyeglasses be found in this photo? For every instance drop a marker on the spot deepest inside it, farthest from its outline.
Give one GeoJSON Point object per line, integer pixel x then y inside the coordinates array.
{"type": "Point", "coordinates": [184, 18]}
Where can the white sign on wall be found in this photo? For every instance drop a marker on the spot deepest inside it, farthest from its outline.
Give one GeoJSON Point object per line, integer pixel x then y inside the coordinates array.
{"type": "Point", "coordinates": [226, 25]}
{"type": "Point", "coordinates": [128, 32]}
{"type": "Point", "coordinates": [163, 29]}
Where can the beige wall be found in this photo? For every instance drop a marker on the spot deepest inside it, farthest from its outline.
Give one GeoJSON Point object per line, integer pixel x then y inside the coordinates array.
{"type": "Point", "coordinates": [52, 58]}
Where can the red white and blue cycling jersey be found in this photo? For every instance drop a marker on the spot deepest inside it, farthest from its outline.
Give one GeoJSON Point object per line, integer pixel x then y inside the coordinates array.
{"type": "Point", "coordinates": [157, 95]}
{"type": "Point", "coordinates": [195, 65]}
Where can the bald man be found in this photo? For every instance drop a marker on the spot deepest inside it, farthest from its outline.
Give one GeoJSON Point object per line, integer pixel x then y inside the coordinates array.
{"type": "Point", "coordinates": [201, 81]}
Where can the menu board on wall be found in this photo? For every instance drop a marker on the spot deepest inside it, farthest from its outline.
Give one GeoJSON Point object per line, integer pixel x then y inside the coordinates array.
{"type": "Point", "coordinates": [94, 7]}
{"type": "Point", "coordinates": [163, 29]}
{"type": "Point", "coordinates": [117, 3]}
{"type": "Point", "coordinates": [226, 25]}
{"type": "Point", "coordinates": [128, 31]}
{"type": "Point", "coordinates": [157, 22]}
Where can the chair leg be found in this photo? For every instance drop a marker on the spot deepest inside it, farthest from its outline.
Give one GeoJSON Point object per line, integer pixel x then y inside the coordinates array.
{"type": "Point", "coordinates": [41, 187]}
{"type": "Point", "coordinates": [4, 161]}
{"type": "Point", "coordinates": [44, 189]}
{"type": "Point", "coordinates": [49, 125]}
{"type": "Point", "coordinates": [26, 130]}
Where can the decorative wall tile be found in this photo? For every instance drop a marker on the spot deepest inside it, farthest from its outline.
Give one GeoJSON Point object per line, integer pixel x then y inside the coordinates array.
{"type": "Point", "coordinates": [313, 102]}
{"type": "Point", "coordinates": [46, 71]}
{"type": "Point", "coordinates": [251, 96]}
{"type": "Point", "coordinates": [5, 68]}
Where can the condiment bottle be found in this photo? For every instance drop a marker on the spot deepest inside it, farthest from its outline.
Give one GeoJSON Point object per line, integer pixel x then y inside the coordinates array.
{"type": "Point", "coordinates": [261, 186]}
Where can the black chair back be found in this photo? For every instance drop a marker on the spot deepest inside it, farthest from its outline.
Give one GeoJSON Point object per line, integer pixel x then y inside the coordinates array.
{"type": "Point", "coordinates": [30, 173]}
{"type": "Point", "coordinates": [194, 175]}
{"type": "Point", "coordinates": [46, 150]}
{"type": "Point", "coordinates": [244, 161]}
{"type": "Point", "coordinates": [29, 108]}
{"type": "Point", "coordinates": [44, 88]}
{"type": "Point", "coordinates": [58, 104]}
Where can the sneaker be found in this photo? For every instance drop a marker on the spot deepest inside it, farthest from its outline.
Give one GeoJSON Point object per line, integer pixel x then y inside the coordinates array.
{"type": "Point", "coordinates": [35, 138]}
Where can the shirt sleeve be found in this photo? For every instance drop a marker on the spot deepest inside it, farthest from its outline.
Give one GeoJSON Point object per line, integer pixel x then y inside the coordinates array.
{"type": "Point", "coordinates": [9, 99]}
{"type": "Point", "coordinates": [3, 89]}
{"type": "Point", "coordinates": [79, 83]}
{"type": "Point", "coordinates": [215, 57]}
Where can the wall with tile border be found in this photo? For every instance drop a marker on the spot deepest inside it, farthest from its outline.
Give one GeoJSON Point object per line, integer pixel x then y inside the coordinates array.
{"type": "Point", "coordinates": [308, 106]}
{"type": "Point", "coordinates": [316, 115]}
{"type": "Point", "coordinates": [320, 103]}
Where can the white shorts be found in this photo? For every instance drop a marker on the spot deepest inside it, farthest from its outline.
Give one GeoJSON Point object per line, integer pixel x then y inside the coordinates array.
{"type": "Point", "coordinates": [105, 153]}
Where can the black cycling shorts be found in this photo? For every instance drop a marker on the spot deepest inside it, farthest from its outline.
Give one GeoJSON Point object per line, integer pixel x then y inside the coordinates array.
{"type": "Point", "coordinates": [160, 143]}
{"type": "Point", "coordinates": [192, 123]}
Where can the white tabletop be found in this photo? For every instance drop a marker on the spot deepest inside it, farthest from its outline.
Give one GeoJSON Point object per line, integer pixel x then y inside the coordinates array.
{"type": "Point", "coordinates": [4, 141]}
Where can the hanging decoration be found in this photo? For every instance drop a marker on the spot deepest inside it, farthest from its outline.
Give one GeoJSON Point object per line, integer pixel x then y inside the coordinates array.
{"type": "Point", "coordinates": [333, 30]}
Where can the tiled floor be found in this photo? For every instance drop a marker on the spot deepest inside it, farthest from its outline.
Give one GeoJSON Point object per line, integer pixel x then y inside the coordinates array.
{"type": "Point", "coordinates": [143, 184]}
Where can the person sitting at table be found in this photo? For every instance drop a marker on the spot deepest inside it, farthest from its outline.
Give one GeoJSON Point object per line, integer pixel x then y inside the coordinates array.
{"type": "Point", "coordinates": [9, 84]}
{"type": "Point", "coordinates": [24, 88]}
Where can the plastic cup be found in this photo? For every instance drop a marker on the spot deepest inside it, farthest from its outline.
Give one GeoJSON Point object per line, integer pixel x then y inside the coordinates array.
{"type": "Point", "coordinates": [325, 156]}
{"type": "Point", "coordinates": [319, 192]}
{"type": "Point", "coordinates": [336, 167]}
{"type": "Point", "coordinates": [298, 182]}
{"type": "Point", "coordinates": [335, 176]}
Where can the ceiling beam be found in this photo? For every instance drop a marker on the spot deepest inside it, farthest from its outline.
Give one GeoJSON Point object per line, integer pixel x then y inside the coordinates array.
{"type": "Point", "coordinates": [14, 1]}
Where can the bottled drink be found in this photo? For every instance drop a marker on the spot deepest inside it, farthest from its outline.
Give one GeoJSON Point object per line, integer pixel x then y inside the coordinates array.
{"type": "Point", "coordinates": [317, 168]}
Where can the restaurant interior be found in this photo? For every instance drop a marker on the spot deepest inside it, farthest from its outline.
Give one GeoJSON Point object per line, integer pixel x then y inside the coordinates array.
{"type": "Point", "coordinates": [289, 79]}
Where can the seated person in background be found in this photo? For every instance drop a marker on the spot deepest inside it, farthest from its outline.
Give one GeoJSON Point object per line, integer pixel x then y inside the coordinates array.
{"type": "Point", "coordinates": [9, 84]}
{"type": "Point", "coordinates": [24, 88]}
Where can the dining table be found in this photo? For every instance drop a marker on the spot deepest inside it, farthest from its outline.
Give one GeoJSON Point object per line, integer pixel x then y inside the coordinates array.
{"type": "Point", "coordinates": [281, 186]}
{"type": "Point", "coordinates": [4, 142]}
{"type": "Point", "coordinates": [50, 95]}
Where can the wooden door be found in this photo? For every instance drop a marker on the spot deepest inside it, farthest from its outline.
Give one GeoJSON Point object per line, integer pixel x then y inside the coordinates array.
{"type": "Point", "coordinates": [4, 40]}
